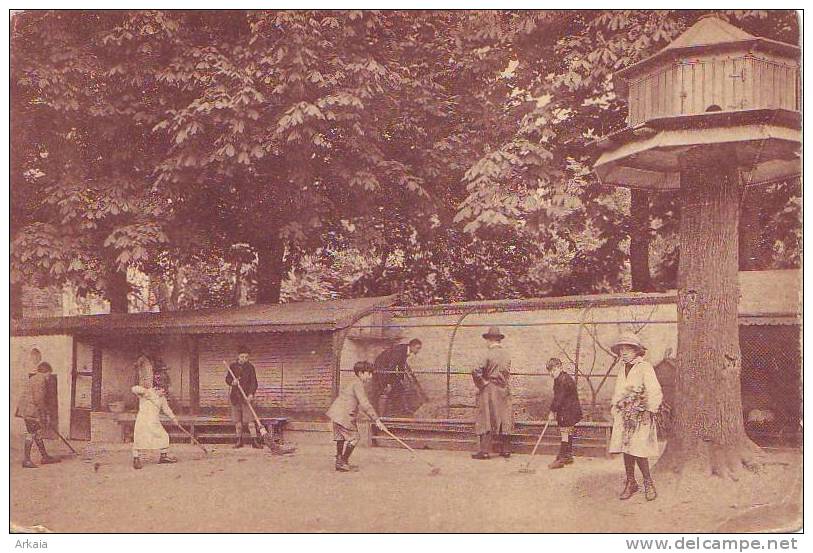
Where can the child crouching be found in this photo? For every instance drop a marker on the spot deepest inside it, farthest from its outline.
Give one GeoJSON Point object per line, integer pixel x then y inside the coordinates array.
{"type": "Point", "coordinates": [148, 432]}
{"type": "Point", "coordinates": [344, 414]}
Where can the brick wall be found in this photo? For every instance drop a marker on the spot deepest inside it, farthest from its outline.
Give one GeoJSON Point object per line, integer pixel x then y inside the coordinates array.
{"type": "Point", "coordinates": [294, 371]}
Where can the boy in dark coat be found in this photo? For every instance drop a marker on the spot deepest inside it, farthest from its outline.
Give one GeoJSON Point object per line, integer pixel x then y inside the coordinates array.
{"type": "Point", "coordinates": [246, 375]}
{"type": "Point", "coordinates": [33, 409]}
{"type": "Point", "coordinates": [565, 409]}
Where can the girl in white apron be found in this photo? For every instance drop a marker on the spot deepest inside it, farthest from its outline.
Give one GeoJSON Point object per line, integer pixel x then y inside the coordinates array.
{"type": "Point", "coordinates": [149, 433]}
{"type": "Point", "coordinates": [636, 399]}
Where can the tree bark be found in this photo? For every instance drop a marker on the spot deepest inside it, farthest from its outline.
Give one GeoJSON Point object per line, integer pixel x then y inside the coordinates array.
{"type": "Point", "coordinates": [640, 237]}
{"type": "Point", "coordinates": [752, 254]}
{"type": "Point", "coordinates": [117, 290]}
{"type": "Point", "coordinates": [270, 270]}
{"type": "Point", "coordinates": [708, 433]}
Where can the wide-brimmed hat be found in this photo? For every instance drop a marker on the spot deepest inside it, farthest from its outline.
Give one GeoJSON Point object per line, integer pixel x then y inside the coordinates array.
{"type": "Point", "coordinates": [628, 339]}
{"type": "Point", "coordinates": [494, 332]}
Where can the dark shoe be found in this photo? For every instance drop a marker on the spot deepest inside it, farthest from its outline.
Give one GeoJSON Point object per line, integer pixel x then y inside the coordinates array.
{"type": "Point", "coordinates": [166, 459]}
{"type": "Point", "coordinates": [557, 463]}
{"type": "Point", "coordinates": [239, 443]}
{"type": "Point", "coordinates": [629, 490]}
{"type": "Point", "coordinates": [649, 490]}
{"type": "Point", "coordinates": [481, 455]}
{"type": "Point", "coordinates": [137, 463]}
{"type": "Point", "coordinates": [257, 443]}
{"type": "Point", "coordinates": [506, 454]}
{"type": "Point", "coordinates": [341, 466]}
{"type": "Point", "coordinates": [48, 460]}
{"type": "Point", "coordinates": [27, 464]}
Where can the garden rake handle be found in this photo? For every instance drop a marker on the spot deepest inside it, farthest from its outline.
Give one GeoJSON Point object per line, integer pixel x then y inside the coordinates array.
{"type": "Point", "coordinates": [191, 437]}
{"type": "Point", "coordinates": [61, 437]}
{"type": "Point", "coordinates": [397, 439]}
{"type": "Point", "coordinates": [263, 429]}
{"type": "Point", "coordinates": [538, 441]}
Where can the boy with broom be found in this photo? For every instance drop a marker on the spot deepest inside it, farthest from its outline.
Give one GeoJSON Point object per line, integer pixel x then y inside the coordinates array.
{"type": "Point", "coordinates": [344, 414]}
{"type": "Point", "coordinates": [565, 409]}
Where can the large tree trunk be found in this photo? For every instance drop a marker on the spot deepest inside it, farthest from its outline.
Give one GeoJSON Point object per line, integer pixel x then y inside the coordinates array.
{"type": "Point", "coordinates": [117, 290]}
{"type": "Point", "coordinates": [270, 270]}
{"type": "Point", "coordinates": [708, 433]}
{"type": "Point", "coordinates": [640, 237]}
{"type": "Point", "coordinates": [752, 254]}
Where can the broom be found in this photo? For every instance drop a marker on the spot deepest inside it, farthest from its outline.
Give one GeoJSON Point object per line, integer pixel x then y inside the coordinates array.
{"type": "Point", "coordinates": [526, 469]}
{"type": "Point", "coordinates": [266, 437]}
{"type": "Point", "coordinates": [435, 470]}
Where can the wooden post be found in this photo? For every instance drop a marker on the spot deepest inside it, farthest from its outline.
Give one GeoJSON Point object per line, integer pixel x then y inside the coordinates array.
{"type": "Point", "coordinates": [96, 382]}
{"type": "Point", "coordinates": [194, 375]}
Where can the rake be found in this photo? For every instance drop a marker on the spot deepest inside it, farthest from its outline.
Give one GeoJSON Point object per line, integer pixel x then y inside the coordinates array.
{"type": "Point", "coordinates": [526, 469]}
{"type": "Point", "coordinates": [192, 438]}
{"type": "Point", "coordinates": [435, 470]}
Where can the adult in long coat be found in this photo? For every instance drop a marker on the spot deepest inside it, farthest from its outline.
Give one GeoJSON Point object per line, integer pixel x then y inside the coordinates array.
{"type": "Point", "coordinates": [494, 410]}
{"type": "Point", "coordinates": [636, 437]}
{"type": "Point", "coordinates": [391, 387]}
{"type": "Point", "coordinates": [148, 432]}
{"type": "Point", "coordinates": [33, 409]}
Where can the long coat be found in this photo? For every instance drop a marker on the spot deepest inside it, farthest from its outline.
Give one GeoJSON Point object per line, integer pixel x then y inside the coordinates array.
{"type": "Point", "coordinates": [247, 376]}
{"type": "Point", "coordinates": [494, 409]}
{"type": "Point", "coordinates": [345, 408]}
{"type": "Point", "coordinates": [566, 401]}
{"type": "Point", "coordinates": [32, 403]}
{"type": "Point", "coordinates": [643, 442]}
{"type": "Point", "coordinates": [149, 433]}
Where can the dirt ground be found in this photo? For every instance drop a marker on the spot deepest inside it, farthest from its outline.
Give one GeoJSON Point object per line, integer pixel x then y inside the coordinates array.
{"type": "Point", "coordinates": [251, 491]}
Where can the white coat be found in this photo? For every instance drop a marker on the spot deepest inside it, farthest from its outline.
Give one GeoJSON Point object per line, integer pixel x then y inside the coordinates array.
{"type": "Point", "coordinates": [644, 440]}
{"type": "Point", "coordinates": [149, 433]}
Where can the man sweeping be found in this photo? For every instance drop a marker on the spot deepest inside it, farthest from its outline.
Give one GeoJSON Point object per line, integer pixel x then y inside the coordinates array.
{"type": "Point", "coordinates": [494, 411]}
{"type": "Point", "coordinates": [33, 409]}
{"type": "Point", "coordinates": [391, 380]}
{"type": "Point", "coordinates": [344, 414]}
{"type": "Point", "coordinates": [565, 409]}
{"type": "Point", "coordinates": [246, 375]}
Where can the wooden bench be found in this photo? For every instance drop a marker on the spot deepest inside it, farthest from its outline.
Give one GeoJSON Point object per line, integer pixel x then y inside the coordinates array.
{"type": "Point", "coordinates": [205, 428]}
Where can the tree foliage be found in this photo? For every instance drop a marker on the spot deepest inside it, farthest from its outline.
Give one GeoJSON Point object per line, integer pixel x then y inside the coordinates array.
{"type": "Point", "coordinates": [441, 155]}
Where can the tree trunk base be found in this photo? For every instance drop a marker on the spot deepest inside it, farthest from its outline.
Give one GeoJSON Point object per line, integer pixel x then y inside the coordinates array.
{"type": "Point", "coordinates": [707, 459]}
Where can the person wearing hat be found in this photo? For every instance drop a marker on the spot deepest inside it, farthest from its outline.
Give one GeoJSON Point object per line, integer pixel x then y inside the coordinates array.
{"type": "Point", "coordinates": [148, 432]}
{"type": "Point", "coordinates": [636, 386]}
{"type": "Point", "coordinates": [565, 409]}
{"type": "Point", "coordinates": [246, 376]}
{"type": "Point", "coordinates": [33, 409]}
{"type": "Point", "coordinates": [494, 410]}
